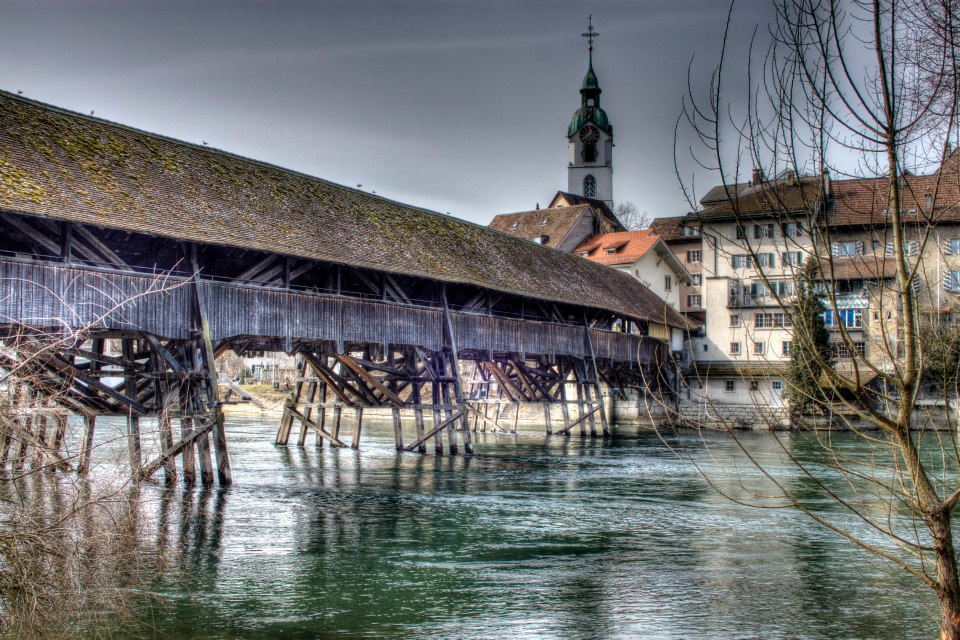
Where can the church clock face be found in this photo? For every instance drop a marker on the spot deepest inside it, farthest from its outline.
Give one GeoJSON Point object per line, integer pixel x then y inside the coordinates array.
{"type": "Point", "coordinates": [589, 135]}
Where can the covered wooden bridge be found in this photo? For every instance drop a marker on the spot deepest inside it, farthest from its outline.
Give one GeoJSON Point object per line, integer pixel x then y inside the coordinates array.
{"type": "Point", "coordinates": [129, 261]}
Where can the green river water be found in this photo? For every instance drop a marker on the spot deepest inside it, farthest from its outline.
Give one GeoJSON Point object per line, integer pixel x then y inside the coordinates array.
{"type": "Point", "coordinates": [532, 537]}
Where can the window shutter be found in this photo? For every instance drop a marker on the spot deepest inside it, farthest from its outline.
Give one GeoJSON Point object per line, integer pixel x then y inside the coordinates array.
{"type": "Point", "coordinates": [859, 248]}
{"type": "Point", "coordinates": [915, 247]}
{"type": "Point", "coordinates": [835, 248]}
{"type": "Point", "coordinates": [948, 247]}
{"type": "Point", "coordinates": [889, 250]}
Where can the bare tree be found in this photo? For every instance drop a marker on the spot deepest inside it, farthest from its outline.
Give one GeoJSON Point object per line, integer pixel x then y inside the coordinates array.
{"type": "Point", "coordinates": [631, 216]}
{"type": "Point", "coordinates": [860, 94]}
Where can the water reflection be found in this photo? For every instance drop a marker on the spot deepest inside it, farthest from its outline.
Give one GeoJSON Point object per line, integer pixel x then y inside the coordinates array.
{"type": "Point", "coordinates": [531, 537]}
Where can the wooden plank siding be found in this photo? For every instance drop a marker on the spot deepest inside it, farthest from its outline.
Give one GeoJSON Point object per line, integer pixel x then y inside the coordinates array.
{"type": "Point", "coordinates": [63, 296]}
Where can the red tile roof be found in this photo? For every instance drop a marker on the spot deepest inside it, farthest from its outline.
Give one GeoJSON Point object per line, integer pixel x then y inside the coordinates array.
{"type": "Point", "coordinates": [627, 246]}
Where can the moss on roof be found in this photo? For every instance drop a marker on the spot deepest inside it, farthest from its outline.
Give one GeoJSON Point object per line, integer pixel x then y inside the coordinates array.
{"type": "Point", "coordinates": [68, 166]}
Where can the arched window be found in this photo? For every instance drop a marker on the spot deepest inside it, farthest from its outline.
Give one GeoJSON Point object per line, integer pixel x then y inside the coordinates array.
{"type": "Point", "coordinates": [590, 187]}
{"type": "Point", "coordinates": [589, 151]}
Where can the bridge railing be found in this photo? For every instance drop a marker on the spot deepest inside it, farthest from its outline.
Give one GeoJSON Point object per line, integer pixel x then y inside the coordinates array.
{"type": "Point", "coordinates": [65, 296]}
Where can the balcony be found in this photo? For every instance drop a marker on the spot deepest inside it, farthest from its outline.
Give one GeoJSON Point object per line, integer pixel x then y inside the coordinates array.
{"type": "Point", "coordinates": [744, 299]}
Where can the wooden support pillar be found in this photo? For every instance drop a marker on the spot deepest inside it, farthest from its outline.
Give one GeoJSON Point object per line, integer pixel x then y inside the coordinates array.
{"type": "Point", "coordinates": [86, 443]}
{"type": "Point", "coordinates": [89, 421]}
{"type": "Point", "coordinates": [437, 420]}
{"type": "Point", "coordinates": [162, 391]}
{"type": "Point", "coordinates": [40, 423]}
{"type": "Point", "coordinates": [457, 380]}
{"type": "Point", "coordinates": [219, 434]}
{"type": "Point", "coordinates": [358, 428]}
{"type": "Point", "coordinates": [286, 421]}
{"type": "Point", "coordinates": [416, 398]}
{"type": "Point", "coordinates": [581, 411]}
{"type": "Point", "coordinates": [203, 442]}
{"type": "Point", "coordinates": [312, 394]}
{"type": "Point", "coordinates": [588, 396]}
{"type": "Point", "coordinates": [547, 417]}
{"type": "Point", "coordinates": [397, 424]}
{"type": "Point", "coordinates": [596, 382]}
{"type": "Point", "coordinates": [322, 412]}
{"type": "Point", "coordinates": [188, 458]}
{"type": "Point", "coordinates": [128, 348]}
{"type": "Point", "coordinates": [448, 411]}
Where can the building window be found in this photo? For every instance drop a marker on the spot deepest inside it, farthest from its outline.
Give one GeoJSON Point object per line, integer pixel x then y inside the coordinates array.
{"type": "Point", "coordinates": [851, 318]}
{"type": "Point", "coordinates": [734, 348]}
{"type": "Point", "coordinates": [759, 348]}
{"type": "Point", "coordinates": [754, 385]}
{"type": "Point", "coordinates": [910, 248]}
{"type": "Point", "coordinates": [689, 231]}
{"type": "Point", "coordinates": [786, 347]}
{"type": "Point", "coordinates": [846, 249]}
{"type": "Point", "coordinates": [734, 319]}
{"type": "Point", "coordinates": [953, 247]}
{"type": "Point", "coordinates": [762, 231]}
{"type": "Point", "coordinates": [741, 234]}
{"type": "Point", "coordinates": [704, 348]}
{"type": "Point", "coordinates": [695, 280]}
{"type": "Point", "coordinates": [667, 283]}
{"type": "Point", "coordinates": [740, 260]}
{"type": "Point", "coordinates": [776, 320]}
{"type": "Point", "coordinates": [777, 385]}
{"type": "Point", "coordinates": [828, 318]}
{"type": "Point", "coordinates": [693, 256]}
{"type": "Point", "coordinates": [729, 385]}
{"type": "Point", "coordinates": [841, 350]}
{"type": "Point", "coordinates": [590, 187]}
{"type": "Point", "coordinates": [541, 239]}
{"type": "Point", "coordinates": [694, 301]}
{"type": "Point", "coordinates": [766, 259]}
{"type": "Point", "coordinates": [515, 225]}
{"type": "Point", "coordinates": [951, 281]}
{"type": "Point", "coordinates": [793, 229]}
{"type": "Point", "coordinates": [792, 258]}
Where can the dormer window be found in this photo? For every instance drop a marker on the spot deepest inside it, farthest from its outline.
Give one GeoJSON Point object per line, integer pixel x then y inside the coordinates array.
{"type": "Point", "coordinates": [612, 250]}
{"type": "Point", "coordinates": [541, 239]}
{"type": "Point", "coordinates": [544, 222]}
{"type": "Point", "coordinates": [515, 225]}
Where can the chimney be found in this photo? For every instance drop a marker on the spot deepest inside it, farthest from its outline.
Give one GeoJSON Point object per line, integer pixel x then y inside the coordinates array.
{"type": "Point", "coordinates": [826, 183]}
{"type": "Point", "coordinates": [538, 206]}
{"type": "Point", "coordinates": [757, 177]}
{"type": "Point", "coordinates": [791, 177]}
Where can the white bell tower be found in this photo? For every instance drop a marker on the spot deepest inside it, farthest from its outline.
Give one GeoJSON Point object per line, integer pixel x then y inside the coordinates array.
{"type": "Point", "coordinates": [590, 139]}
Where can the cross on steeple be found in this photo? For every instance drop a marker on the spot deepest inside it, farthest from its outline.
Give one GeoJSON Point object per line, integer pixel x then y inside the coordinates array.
{"type": "Point", "coordinates": [590, 35]}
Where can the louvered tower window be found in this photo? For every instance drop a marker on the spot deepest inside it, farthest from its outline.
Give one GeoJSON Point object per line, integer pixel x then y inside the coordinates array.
{"type": "Point", "coordinates": [590, 187]}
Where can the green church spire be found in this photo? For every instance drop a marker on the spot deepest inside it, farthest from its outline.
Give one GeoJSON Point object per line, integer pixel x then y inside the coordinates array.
{"type": "Point", "coordinates": [590, 110]}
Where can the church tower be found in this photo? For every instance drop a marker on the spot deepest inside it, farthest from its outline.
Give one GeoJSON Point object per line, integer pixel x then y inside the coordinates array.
{"type": "Point", "coordinates": [590, 139]}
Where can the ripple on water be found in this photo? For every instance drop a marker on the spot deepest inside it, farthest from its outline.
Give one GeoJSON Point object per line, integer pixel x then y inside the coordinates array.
{"type": "Point", "coordinates": [532, 537]}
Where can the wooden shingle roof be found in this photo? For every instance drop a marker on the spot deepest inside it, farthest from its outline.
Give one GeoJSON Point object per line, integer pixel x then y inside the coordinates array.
{"type": "Point", "coordinates": [67, 166]}
{"type": "Point", "coordinates": [553, 222]}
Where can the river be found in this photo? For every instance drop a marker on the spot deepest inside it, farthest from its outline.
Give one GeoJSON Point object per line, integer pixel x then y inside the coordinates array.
{"type": "Point", "coordinates": [531, 537]}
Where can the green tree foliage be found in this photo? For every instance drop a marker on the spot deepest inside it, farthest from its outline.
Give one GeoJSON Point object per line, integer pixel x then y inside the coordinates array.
{"type": "Point", "coordinates": [810, 351]}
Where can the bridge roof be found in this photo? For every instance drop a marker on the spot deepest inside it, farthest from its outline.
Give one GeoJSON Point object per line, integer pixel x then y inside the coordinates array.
{"type": "Point", "coordinates": [68, 166]}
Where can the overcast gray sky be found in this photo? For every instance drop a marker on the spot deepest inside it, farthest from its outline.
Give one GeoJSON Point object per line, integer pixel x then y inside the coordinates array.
{"type": "Point", "coordinates": [454, 105]}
